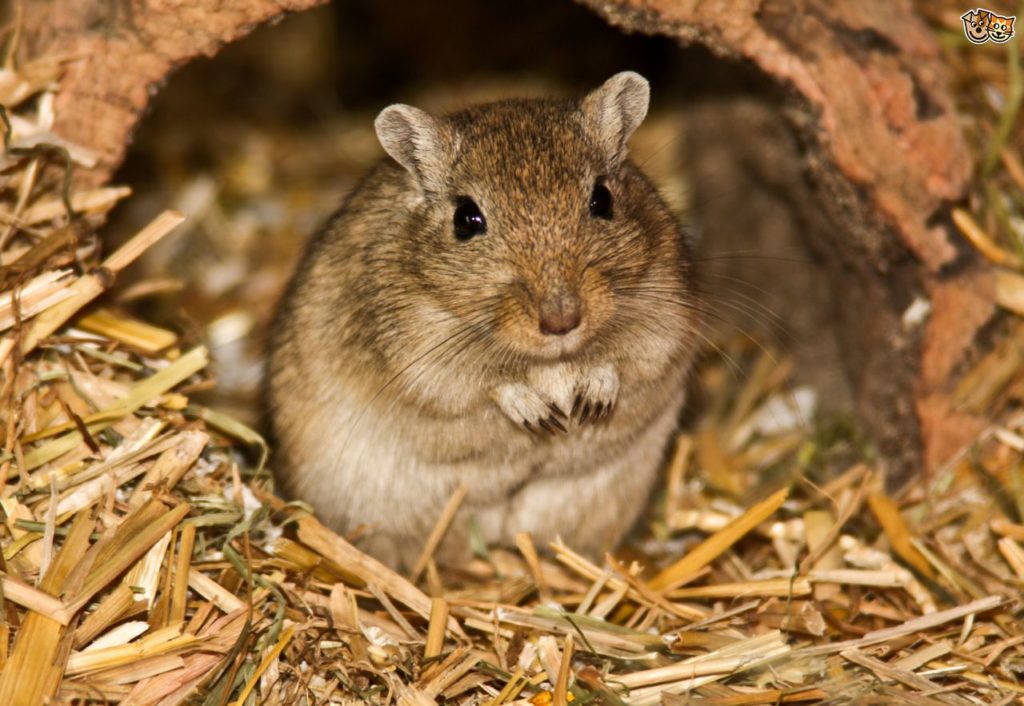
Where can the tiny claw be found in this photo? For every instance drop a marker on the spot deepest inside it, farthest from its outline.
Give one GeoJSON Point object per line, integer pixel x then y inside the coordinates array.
{"type": "Point", "coordinates": [557, 424]}
{"type": "Point", "coordinates": [546, 425]}
{"type": "Point", "coordinates": [576, 405]}
{"type": "Point", "coordinates": [585, 414]}
{"type": "Point", "coordinates": [529, 427]}
{"type": "Point", "coordinates": [607, 411]}
{"type": "Point", "coordinates": [599, 408]}
{"type": "Point", "coordinates": [556, 411]}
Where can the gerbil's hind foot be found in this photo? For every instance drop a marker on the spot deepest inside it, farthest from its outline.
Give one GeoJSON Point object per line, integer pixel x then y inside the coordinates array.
{"type": "Point", "coordinates": [524, 406]}
{"type": "Point", "coordinates": [596, 393]}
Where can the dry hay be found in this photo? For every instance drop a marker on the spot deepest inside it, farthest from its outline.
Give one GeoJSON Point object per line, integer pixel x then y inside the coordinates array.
{"type": "Point", "coordinates": [146, 562]}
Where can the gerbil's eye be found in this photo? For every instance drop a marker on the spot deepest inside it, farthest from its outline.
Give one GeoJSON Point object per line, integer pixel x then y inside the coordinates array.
{"type": "Point", "coordinates": [468, 220]}
{"type": "Point", "coordinates": [601, 201]}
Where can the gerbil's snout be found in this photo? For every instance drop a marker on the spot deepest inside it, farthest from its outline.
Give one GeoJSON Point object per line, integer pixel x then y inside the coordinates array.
{"type": "Point", "coordinates": [560, 312]}
{"type": "Point", "coordinates": [552, 313]}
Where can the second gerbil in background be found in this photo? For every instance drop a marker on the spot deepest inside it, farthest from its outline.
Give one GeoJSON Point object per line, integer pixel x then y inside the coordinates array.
{"type": "Point", "coordinates": [505, 303]}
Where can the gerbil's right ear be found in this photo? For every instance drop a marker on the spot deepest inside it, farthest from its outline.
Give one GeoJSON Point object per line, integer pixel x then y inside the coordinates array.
{"type": "Point", "coordinates": [417, 141]}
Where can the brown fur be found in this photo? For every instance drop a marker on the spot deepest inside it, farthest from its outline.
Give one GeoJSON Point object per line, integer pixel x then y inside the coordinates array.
{"type": "Point", "coordinates": [406, 362]}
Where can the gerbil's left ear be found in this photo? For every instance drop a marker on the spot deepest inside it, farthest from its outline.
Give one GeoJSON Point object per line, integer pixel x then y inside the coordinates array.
{"type": "Point", "coordinates": [614, 111]}
{"type": "Point", "coordinates": [418, 141]}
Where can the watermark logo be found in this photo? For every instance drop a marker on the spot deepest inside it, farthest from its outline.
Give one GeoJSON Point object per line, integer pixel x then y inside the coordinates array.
{"type": "Point", "coordinates": [983, 25]}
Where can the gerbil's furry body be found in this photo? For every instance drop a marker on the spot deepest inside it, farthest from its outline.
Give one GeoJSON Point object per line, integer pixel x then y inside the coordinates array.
{"type": "Point", "coordinates": [407, 361]}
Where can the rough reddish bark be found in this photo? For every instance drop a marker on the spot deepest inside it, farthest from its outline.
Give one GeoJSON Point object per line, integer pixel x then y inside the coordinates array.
{"type": "Point", "coordinates": [123, 50]}
{"type": "Point", "coordinates": [866, 98]}
{"type": "Point", "coordinates": [872, 73]}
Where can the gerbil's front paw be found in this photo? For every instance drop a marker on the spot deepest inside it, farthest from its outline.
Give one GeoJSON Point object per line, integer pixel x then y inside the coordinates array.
{"type": "Point", "coordinates": [596, 393]}
{"type": "Point", "coordinates": [524, 406]}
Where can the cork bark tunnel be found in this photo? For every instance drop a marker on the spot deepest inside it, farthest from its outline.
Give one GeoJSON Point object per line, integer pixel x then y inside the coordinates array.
{"type": "Point", "coordinates": [824, 128]}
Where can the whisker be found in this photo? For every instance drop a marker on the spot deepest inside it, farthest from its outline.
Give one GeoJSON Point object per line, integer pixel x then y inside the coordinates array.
{"type": "Point", "coordinates": [746, 304]}
{"type": "Point", "coordinates": [753, 308]}
{"type": "Point", "coordinates": [751, 255]}
{"type": "Point", "coordinates": [712, 314]}
{"type": "Point", "coordinates": [737, 280]}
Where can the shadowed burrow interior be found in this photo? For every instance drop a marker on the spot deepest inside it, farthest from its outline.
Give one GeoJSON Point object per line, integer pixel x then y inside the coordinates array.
{"type": "Point", "coordinates": [259, 144]}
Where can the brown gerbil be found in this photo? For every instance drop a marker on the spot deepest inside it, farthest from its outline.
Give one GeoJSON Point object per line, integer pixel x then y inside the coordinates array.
{"type": "Point", "coordinates": [506, 304]}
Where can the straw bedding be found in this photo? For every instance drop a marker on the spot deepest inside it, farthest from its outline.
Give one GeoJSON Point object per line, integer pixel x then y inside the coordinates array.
{"type": "Point", "coordinates": [147, 561]}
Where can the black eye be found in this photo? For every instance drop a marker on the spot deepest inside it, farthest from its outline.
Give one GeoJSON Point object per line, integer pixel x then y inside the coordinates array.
{"type": "Point", "coordinates": [601, 201]}
{"type": "Point", "coordinates": [468, 220]}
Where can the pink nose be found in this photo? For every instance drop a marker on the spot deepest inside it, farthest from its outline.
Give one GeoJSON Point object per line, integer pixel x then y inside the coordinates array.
{"type": "Point", "coordinates": [559, 314]}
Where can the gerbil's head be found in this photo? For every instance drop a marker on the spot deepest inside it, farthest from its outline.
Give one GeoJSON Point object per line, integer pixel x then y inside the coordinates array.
{"type": "Point", "coordinates": [529, 223]}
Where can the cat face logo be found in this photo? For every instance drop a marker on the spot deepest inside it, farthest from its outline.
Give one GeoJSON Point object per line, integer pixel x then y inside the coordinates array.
{"type": "Point", "coordinates": [1000, 29]}
{"type": "Point", "coordinates": [982, 26]}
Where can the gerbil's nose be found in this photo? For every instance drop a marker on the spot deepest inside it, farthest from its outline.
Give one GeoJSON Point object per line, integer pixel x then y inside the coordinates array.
{"type": "Point", "coordinates": [559, 313]}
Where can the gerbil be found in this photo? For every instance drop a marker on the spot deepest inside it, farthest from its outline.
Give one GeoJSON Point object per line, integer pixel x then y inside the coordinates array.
{"type": "Point", "coordinates": [506, 303]}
